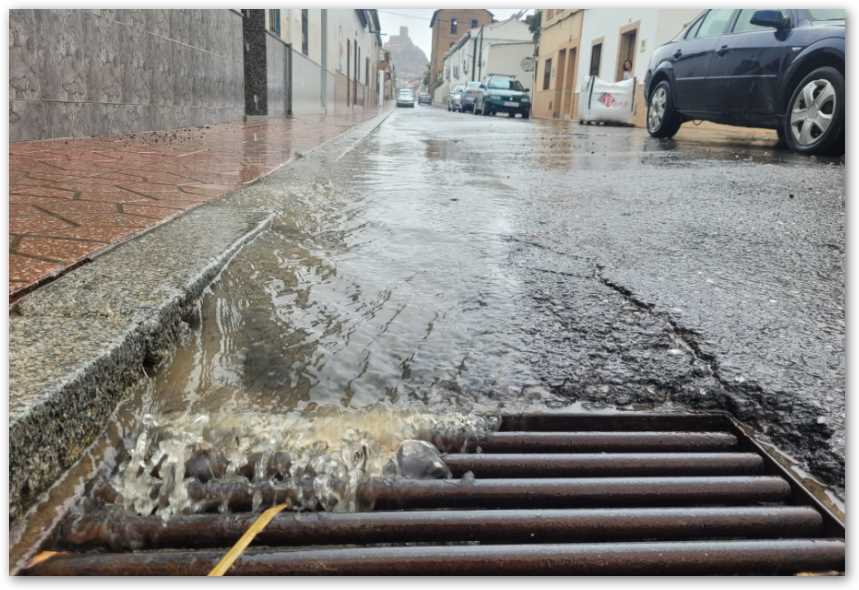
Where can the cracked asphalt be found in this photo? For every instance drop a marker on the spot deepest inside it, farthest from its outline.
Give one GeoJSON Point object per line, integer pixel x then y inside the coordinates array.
{"type": "Point", "coordinates": [469, 263]}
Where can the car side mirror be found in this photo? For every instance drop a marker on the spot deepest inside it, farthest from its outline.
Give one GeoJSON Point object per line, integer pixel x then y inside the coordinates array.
{"type": "Point", "coordinates": [483, 86]}
{"type": "Point", "coordinates": [526, 90]}
{"type": "Point", "coordinates": [770, 18]}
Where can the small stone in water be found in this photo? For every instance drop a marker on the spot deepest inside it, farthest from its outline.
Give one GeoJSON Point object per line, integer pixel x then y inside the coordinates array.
{"type": "Point", "coordinates": [205, 465]}
{"type": "Point", "coordinates": [418, 459]}
{"type": "Point", "coordinates": [278, 466]}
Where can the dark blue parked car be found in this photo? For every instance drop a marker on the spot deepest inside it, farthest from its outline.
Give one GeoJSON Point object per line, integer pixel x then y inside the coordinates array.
{"type": "Point", "coordinates": [776, 69]}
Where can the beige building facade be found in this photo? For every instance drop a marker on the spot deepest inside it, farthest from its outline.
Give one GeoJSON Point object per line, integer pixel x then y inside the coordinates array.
{"type": "Point", "coordinates": [557, 69]}
{"type": "Point", "coordinates": [448, 26]}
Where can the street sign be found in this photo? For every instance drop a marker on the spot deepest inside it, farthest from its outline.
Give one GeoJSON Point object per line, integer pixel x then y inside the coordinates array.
{"type": "Point", "coordinates": [527, 64]}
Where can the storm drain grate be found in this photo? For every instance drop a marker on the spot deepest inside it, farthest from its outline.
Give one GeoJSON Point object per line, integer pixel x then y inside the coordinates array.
{"type": "Point", "coordinates": [559, 493]}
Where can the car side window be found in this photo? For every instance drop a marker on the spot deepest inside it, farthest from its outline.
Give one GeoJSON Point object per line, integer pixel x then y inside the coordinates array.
{"type": "Point", "coordinates": [693, 29]}
{"type": "Point", "coordinates": [744, 22]}
{"type": "Point", "coordinates": [715, 23]}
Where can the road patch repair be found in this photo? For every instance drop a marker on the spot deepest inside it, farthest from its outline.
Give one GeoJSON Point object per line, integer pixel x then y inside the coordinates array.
{"type": "Point", "coordinates": [556, 493]}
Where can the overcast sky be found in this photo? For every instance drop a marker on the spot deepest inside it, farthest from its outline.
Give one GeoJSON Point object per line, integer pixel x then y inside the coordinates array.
{"type": "Point", "coordinates": [418, 21]}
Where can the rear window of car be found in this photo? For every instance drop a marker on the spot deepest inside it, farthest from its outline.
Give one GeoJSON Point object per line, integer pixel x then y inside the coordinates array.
{"type": "Point", "coordinates": [498, 83]}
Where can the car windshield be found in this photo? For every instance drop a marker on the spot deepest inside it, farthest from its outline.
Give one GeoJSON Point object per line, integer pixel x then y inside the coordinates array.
{"type": "Point", "coordinates": [505, 84]}
{"type": "Point", "coordinates": [833, 14]}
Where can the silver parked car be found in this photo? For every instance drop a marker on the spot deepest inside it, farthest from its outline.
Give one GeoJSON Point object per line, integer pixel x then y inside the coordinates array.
{"type": "Point", "coordinates": [469, 95]}
{"type": "Point", "coordinates": [454, 99]}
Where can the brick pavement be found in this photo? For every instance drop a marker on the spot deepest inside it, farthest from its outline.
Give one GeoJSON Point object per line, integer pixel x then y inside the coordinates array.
{"type": "Point", "coordinates": [71, 199]}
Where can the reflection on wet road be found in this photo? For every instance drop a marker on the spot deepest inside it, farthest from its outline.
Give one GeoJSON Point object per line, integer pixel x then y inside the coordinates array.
{"type": "Point", "coordinates": [451, 264]}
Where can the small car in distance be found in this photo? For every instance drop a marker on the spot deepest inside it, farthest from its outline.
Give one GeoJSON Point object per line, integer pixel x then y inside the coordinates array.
{"type": "Point", "coordinates": [501, 93]}
{"type": "Point", "coordinates": [454, 98]}
{"type": "Point", "coordinates": [424, 98]}
{"type": "Point", "coordinates": [406, 98]}
{"type": "Point", "coordinates": [774, 69]}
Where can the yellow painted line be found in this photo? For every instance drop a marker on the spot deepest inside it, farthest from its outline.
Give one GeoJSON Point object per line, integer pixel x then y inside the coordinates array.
{"type": "Point", "coordinates": [236, 551]}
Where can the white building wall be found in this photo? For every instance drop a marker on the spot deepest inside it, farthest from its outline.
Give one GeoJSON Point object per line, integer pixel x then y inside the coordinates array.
{"type": "Point", "coordinates": [343, 26]}
{"type": "Point", "coordinates": [506, 58]}
{"type": "Point", "coordinates": [656, 26]}
{"type": "Point", "coordinates": [458, 65]}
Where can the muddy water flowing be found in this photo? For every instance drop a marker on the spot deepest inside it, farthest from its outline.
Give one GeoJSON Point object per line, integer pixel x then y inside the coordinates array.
{"type": "Point", "coordinates": [369, 314]}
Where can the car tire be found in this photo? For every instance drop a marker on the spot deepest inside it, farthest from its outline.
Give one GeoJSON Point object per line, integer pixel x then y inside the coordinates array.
{"type": "Point", "coordinates": [667, 123]}
{"type": "Point", "coordinates": [823, 131]}
{"type": "Point", "coordinates": [525, 114]}
{"type": "Point", "coordinates": [485, 112]}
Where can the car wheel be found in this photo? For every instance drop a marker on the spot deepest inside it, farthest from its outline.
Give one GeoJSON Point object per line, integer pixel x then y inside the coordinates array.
{"type": "Point", "coordinates": [814, 121]}
{"type": "Point", "coordinates": [525, 114]}
{"type": "Point", "coordinates": [485, 111]}
{"type": "Point", "coordinates": [662, 120]}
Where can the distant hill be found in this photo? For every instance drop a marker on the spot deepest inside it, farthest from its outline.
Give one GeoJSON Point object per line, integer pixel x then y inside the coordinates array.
{"type": "Point", "coordinates": [408, 58]}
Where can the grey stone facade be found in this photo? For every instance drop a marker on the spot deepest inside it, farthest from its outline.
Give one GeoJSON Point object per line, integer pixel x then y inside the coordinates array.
{"type": "Point", "coordinates": [277, 76]}
{"type": "Point", "coordinates": [81, 73]}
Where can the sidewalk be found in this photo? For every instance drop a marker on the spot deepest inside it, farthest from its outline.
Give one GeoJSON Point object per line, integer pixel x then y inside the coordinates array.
{"type": "Point", "coordinates": [71, 199]}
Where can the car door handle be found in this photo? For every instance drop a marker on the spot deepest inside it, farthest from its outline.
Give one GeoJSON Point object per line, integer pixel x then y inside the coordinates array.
{"type": "Point", "coordinates": [722, 50]}
{"type": "Point", "coordinates": [677, 54]}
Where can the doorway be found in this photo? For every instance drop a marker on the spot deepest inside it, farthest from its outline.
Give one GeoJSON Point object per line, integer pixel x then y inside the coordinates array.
{"type": "Point", "coordinates": [570, 83]}
{"type": "Point", "coordinates": [559, 83]}
{"type": "Point", "coordinates": [626, 51]}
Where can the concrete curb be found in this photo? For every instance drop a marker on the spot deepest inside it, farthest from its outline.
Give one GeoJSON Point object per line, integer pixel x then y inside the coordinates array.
{"type": "Point", "coordinates": [78, 343]}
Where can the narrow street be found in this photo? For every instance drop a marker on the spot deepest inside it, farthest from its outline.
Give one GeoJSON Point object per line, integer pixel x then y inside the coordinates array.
{"type": "Point", "coordinates": [454, 291]}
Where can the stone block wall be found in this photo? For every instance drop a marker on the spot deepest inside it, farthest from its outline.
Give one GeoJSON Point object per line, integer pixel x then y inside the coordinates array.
{"type": "Point", "coordinates": [306, 85]}
{"type": "Point", "coordinates": [81, 73]}
{"type": "Point", "coordinates": [277, 76]}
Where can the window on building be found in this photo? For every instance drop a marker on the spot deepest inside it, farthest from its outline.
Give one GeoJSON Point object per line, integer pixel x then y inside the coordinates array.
{"type": "Point", "coordinates": [305, 30]}
{"type": "Point", "coordinates": [453, 25]}
{"type": "Point", "coordinates": [274, 20]}
{"type": "Point", "coordinates": [547, 74]}
{"type": "Point", "coordinates": [367, 71]}
{"type": "Point", "coordinates": [474, 23]}
{"type": "Point", "coordinates": [744, 22]}
{"type": "Point", "coordinates": [714, 24]}
{"type": "Point", "coordinates": [596, 57]}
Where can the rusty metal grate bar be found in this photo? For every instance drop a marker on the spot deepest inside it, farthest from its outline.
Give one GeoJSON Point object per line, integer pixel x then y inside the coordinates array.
{"type": "Point", "coordinates": [559, 493]}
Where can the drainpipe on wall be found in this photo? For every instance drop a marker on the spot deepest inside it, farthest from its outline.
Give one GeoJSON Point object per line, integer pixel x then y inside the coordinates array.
{"type": "Point", "coordinates": [323, 75]}
{"type": "Point", "coordinates": [474, 59]}
{"type": "Point", "coordinates": [480, 60]}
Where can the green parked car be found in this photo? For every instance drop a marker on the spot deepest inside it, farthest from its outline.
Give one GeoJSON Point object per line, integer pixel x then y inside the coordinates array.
{"type": "Point", "coordinates": [500, 93]}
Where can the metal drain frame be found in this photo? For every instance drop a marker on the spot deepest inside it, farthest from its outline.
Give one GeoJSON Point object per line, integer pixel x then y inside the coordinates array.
{"type": "Point", "coordinates": [258, 561]}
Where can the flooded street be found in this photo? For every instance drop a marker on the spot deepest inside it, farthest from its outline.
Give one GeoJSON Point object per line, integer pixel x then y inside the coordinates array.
{"type": "Point", "coordinates": [447, 268]}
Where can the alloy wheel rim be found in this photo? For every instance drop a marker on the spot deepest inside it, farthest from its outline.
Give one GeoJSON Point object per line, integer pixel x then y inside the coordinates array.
{"type": "Point", "coordinates": [657, 108]}
{"type": "Point", "coordinates": [812, 112]}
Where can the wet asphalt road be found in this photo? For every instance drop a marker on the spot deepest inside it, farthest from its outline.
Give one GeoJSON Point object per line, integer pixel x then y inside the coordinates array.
{"type": "Point", "coordinates": [456, 262]}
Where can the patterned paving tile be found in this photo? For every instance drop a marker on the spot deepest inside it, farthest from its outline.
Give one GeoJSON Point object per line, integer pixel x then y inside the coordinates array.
{"type": "Point", "coordinates": [71, 198]}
